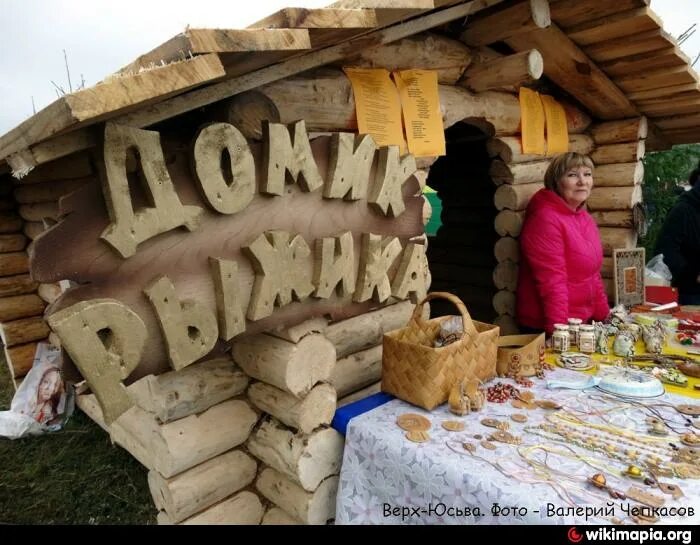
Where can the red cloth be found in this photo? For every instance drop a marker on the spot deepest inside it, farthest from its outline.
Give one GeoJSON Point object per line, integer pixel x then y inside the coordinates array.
{"type": "Point", "coordinates": [561, 257]}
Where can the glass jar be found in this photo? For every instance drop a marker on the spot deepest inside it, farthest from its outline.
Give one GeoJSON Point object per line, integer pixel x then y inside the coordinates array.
{"type": "Point", "coordinates": [586, 339]}
{"type": "Point", "coordinates": [560, 338]}
{"type": "Point", "coordinates": [574, 325]}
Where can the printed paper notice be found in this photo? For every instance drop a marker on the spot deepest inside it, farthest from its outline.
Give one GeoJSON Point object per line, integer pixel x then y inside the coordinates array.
{"type": "Point", "coordinates": [422, 118]}
{"type": "Point", "coordinates": [377, 105]}
{"type": "Point", "coordinates": [532, 122]}
{"type": "Point", "coordinates": [557, 131]}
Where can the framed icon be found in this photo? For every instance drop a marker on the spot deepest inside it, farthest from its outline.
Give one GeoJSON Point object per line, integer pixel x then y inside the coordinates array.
{"type": "Point", "coordinates": [628, 273]}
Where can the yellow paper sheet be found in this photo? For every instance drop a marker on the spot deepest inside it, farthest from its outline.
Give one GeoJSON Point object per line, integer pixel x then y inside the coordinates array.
{"type": "Point", "coordinates": [557, 131]}
{"type": "Point", "coordinates": [422, 118]}
{"type": "Point", "coordinates": [532, 122]}
{"type": "Point", "coordinates": [378, 106]}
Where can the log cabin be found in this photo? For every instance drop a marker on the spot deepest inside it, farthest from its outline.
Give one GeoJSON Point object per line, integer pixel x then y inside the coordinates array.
{"type": "Point", "coordinates": [209, 230]}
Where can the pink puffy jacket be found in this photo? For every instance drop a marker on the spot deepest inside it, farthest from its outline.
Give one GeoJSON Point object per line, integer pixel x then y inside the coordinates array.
{"type": "Point", "coordinates": [561, 256]}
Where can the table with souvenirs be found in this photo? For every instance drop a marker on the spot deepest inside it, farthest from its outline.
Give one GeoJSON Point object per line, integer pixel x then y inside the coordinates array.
{"type": "Point", "coordinates": [575, 438]}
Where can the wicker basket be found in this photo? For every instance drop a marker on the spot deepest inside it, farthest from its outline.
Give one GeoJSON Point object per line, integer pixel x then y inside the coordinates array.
{"type": "Point", "coordinates": [416, 372]}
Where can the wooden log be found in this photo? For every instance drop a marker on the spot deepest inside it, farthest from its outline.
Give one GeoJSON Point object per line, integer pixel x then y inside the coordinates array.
{"type": "Point", "coordinates": [505, 275]}
{"type": "Point", "coordinates": [49, 191]}
{"type": "Point", "coordinates": [515, 197]}
{"type": "Point", "coordinates": [13, 263]}
{"type": "Point", "coordinates": [519, 173]}
{"type": "Point", "coordinates": [614, 198]}
{"type": "Point", "coordinates": [628, 152]}
{"type": "Point", "coordinates": [191, 390]}
{"type": "Point", "coordinates": [10, 222]}
{"type": "Point", "coordinates": [427, 51]}
{"type": "Point", "coordinates": [614, 218]}
{"type": "Point", "coordinates": [357, 370]}
{"type": "Point", "coordinates": [12, 243]}
{"type": "Point", "coordinates": [20, 306]}
{"type": "Point", "coordinates": [20, 359]}
{"type": "Point", "coordinates": [305, 459]}
{"type": "Point", "coordinates": [24, 331]}
{"type": "Point", "coordinates": [615, 132]}
{"type": "Point", "coordinates": [16, 285]}
{"type": "Point", "coordinates": [503, 24]}
{"type": "Point", "coordinates": [50, 292]}
{"type": "Point", "coordinates": [507, 248]}
{"type": "Point", "coordinates": [74, 166]}
{"type": "Point", "coordinates": [568, 66]}
{"type": "Point", "coordinates": [294, 368]}
{"type": "Point", "coordinates": [614, 238]}
{"type": "Point", "coordinates": [32, 229]}
{"type": "Point", "coordinates": [504, 302]}
{"type": "Point", "coordinates": [278, 517]}
{"type": "Point", "coordinates": [619, 174]}
{"type": "Point", "coordinates": [509, 222]}
{"type": "Point", "coordinates": [324, 99]}
{"type": "Point", "coordinates": [509, 148]}
{"type": "Point", "coordinates": [356, 334]}
{"type": "Point", "coordinates": [513, 70]}
{"type": "Point", "coordinates": [177, 446]}
{"type": "Point", "coordinates": [607, 269]}
{"type": "Point", "coordinates": [309, 507]}
{"type": "Point", "coordinates": [242, 508]}
{"type": "Point", "coordinates": [361, 394]}
{"type": "Point", "coordinates": [40, 210]}
{"type": "Point", "coordinates": [507, 324]}
{"type": "Point", "coordinates": [569, 13]}
{"type": "Point", "coordinates": [307, 414]}
{"type": "Point", "coordinates": [295, 333]}
{"type": "Point", "coordinates": [202, 486]}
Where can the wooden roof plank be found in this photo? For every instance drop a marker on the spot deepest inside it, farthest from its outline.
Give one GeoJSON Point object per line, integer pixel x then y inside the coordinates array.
{"type": "Point", "coordinates": [112, 97]}
{"type": "Point", "coordinates": [392, 11]}
{"type": "Point", "coordinates": [636, 64]}
{"type": "Point", "coordinates": [569, 67]}
{"type": "Point", "coordinates": [655, 79]}
{"type": "Point", "coordinates": [671, 109]}
{"type": "Point", "coordinates": [618, 25]}
{"type": "Point", "coordinates": [199, 41]}
{"type": "Point", "coordinates": [325, 26]}
{"type": "Point", "coordinates": [676, 122]}
{"type": "Point", "coordinates": [568, 13]}
{"type": "Point", "coordinates": [644, 42]}
{"type": "Point", "coordinates": [671, 92]}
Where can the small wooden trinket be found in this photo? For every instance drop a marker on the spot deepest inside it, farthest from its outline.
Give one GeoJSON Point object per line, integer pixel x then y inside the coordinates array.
{"type": "Point", "coordinates": [469, 447]}
{"type": "Point", "coordinates": [518, 404]}
{"type": "Point", "coordinates": [453, 425]}
{"type": "Point", "coordinates": [671, 490]}
{"type": "Point", "coordinates": [598, 480]}
{"type": "Point", "coordinates": [637, 494]}
{"type": "Point", "coordinates": [490, 422]}
{"type": "Point", "coordinates": [488, 445]}
{"type": "Point", "coordinates": [502, 436]}
{"type": "Point", "coordinates": [547, 404]}
{"type": "Point", "coordinates": [478, 437]}
{"type": "Point", "coordinates": [418, 436]}
{"type": "Point", "coordinates": [520, 418]}
{"type": "Point", "coordinates": [690, 439]}
{"type": "Point", "coordinates": [634, 472]}
{"type": "Point", "coordinates": [413, 422]}
{"type": "Point", "coordinates": [690, 410]}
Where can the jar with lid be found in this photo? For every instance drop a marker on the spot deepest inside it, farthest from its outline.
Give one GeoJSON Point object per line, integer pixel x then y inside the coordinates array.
{"type": "Point", "coordinates": [560, 338]}
{"type": "Point", "coordinates": [586, 339]}
{"type": "Point", "coordinates": [574, 324]}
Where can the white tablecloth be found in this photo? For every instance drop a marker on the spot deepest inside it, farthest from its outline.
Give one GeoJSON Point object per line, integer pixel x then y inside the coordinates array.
{"type": "Point", "coordinates": [384, 472]}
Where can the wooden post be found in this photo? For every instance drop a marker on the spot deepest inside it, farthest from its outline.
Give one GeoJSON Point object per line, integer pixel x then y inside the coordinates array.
{"type": "Point", "coordinates": [506, 23]}
{"type": "Point", "coordinates": [504, 302]}
{"type": "Point", "coordinates": [23, 331]}
{"type": "Point", "coordinates": [626, 130]}
{"type": "Point", "coordinates": [519, 173]}
{"type": "Point", "coordinates": [277, 516]}
{"type": "Point", "coordinates": [509, 222]}
{"type": "Point", "coordinates": [515, 197]}
{"type": "Point", "coordinates": [509, 148]}
{"type": "Point", "coordinates": [20, 359]}
{"type": "Point", "coordinates": [619, 174]}
{"type": "Point", "coordinates": [507, 248]}
{"type": "Point", "coordinates": [357, 370]}
{"type": "Point", "coordinates": [507, 324]}
{"type": "Point", "coordinates": [242, 508]}
{"type": "Point", "coordinates": [614, 218]}
{"type": "Point", "coordinates": [505, 275]}
{"type": "Point", "coordinates": [628, 152]}
{"type": "Point", "coordinates": [614, 238]}
{"type": "Point", "coordinates": [614, 198]}
{"type": "Point", "coordinates": [16, 285]}
{"type": "Point", "coordinates": [20, 306]}
{"type": "Point", "coordinates": [513, 70]}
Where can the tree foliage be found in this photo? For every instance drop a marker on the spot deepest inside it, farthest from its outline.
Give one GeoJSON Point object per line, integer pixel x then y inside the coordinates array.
{"type": "Point", "coordinates": [665, 174]}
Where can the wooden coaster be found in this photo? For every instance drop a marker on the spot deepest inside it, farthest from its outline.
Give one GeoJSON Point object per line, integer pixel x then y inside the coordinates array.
{"type": "Point", "coordinates": [547, 404]}
{"type": "Point", "coordinates": [690, 439]}
{"type": "Point", "coordinates": [527, 397]}
{"type": "Point", "coordinates": [490, 422]}
{"type": "Point", "coordinates": [637, 494]}
{"type": "Point", "coordinates": [521, 418]}
{"type": "Point", "coordinates": [518, 404]}
{"type": "Point", "coordinates": [418, 436]}
{"type": "Point", "coordinates": [690, 410]}
{"type": "Point", "coordinates": [413, 422]}
{"type": "Point", "coordinates": [453, 425]}
{"type": "Point", "coordinates": [488, 445]}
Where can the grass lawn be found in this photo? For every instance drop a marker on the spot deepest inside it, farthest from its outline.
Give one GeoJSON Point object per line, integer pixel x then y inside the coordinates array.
{"type": "Point", "coordinates": [74, 476]}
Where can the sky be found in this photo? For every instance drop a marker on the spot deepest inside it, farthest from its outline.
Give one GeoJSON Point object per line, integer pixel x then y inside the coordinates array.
{"type": "Point", "coordinates": [101, 36]}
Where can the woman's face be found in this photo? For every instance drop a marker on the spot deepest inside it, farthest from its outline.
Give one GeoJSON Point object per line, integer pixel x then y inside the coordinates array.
{"type": "Point", "coordinates": [50, 384]}
{"type": "Point", "coordinates": [575, 186]}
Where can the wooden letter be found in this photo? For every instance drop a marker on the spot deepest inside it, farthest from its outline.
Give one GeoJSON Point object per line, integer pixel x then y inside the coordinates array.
{"type": "Point", "coordinates": [129, 227]}
{"type": "Point", "coordinates": [334, 265]}
{"type": "Point", "coordinates": [228, 308]}
{"type": "Point", "coordinates": [410, 277]}
{"type": "Point", "coordinates": [349, 165]}
{"type": "Point", "coordinates": [280, 272]}
{"type": "Point", "coordinates": [378, 255]}
{"type": "Point", "coordinates": [287, 157]}
{"type": "Point", "coordinates": [392, 172]}
{"type": "Point", "coordinates": [224, 197]}
{"type": "Point", "coordinates": [188, 327]}
{"type": "Point", "coordinates": [105, 339]}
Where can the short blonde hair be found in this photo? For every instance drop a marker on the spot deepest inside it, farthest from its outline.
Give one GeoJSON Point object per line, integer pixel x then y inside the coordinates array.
{"type": "Point", "coordinates": [561, 164]}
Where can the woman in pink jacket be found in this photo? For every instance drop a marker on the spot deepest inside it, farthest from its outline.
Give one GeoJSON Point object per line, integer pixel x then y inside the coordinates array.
{"type": "Point", "coordinates": [561, 252]}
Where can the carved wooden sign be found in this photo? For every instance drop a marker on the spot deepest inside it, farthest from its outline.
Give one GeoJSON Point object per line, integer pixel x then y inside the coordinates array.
{"type": "Point", "coordinates": [200, 240]}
